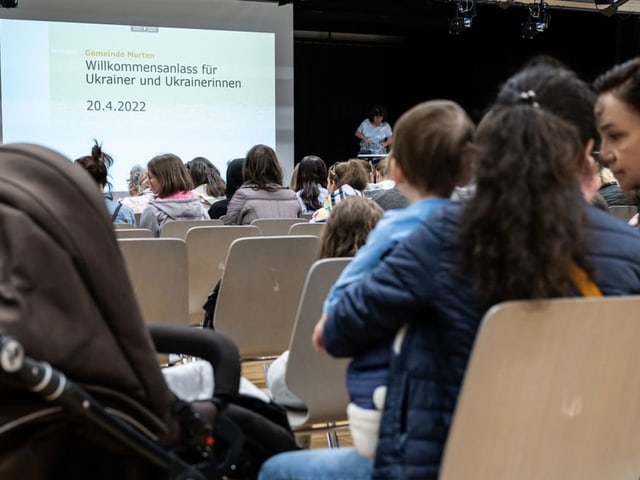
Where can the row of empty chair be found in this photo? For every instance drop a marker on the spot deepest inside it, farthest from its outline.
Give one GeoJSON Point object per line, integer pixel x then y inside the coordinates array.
{"type": "Point", "coordinates": [270, 298]}
{"type": "Point", "coordinates": [267, 226]}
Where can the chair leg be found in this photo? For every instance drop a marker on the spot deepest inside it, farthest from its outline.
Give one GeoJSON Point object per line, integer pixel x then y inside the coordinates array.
{"type": "Point", "coordinates": [332, 439]}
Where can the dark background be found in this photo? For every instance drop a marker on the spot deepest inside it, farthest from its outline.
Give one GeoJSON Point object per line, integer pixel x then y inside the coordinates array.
{"type": "Point", "coordinates": [337, 79]}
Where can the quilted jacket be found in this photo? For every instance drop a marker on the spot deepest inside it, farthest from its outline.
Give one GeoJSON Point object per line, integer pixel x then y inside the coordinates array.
{"type": "Point", "coordinates": [416, 285]}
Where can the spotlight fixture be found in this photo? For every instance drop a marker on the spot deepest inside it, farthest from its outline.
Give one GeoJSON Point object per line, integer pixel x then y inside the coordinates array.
{"type": "Point", "coordinates": [9, 3]}
{"type": "Point", "coordinates": [537, 21]}
{"type": "Point", "coordinates": [463, 18]}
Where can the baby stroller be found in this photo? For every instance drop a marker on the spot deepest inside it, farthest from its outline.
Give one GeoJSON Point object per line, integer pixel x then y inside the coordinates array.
{"type": "Point", "coordinates": [82, 394]}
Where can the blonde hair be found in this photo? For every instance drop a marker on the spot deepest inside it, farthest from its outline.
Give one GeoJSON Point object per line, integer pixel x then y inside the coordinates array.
{"type": "Point", "coordinates": [606, 176]}
{"type": "Point", "coordinates": [348, 226]}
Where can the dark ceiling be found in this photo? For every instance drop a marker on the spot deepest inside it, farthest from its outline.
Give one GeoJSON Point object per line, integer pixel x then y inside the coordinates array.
{"type": "Point", "coordinates": [399, 17]}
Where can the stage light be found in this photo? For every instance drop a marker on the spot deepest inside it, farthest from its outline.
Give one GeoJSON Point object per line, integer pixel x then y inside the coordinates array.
{"type": "Point", "coordinates": [537, 21]}
{"type": "Point", "coordinates": [463, 18]}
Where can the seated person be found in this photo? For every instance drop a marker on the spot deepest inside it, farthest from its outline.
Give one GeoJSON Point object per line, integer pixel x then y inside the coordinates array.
{"type": "Point", "coordinates": [345, 179]}
{"type": "Point", "coordinates": [171, 183]}
{"type": "Point", "coordinates": [97, 165]}
{"type": "Point", "coordinates": [262, 194]}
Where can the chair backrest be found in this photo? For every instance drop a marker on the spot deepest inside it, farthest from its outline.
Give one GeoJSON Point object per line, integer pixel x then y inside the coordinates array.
{"type": "Point", "coordinates": [123, 226]}
{"type": "Point", "coordinates": [275, 226]}
{"type": "Point", "coordinates": [623, 212]}
{"type": "Point", "coordinates": [318, 379]}
{"type": "Point", "coordinates": [157, 268]}
{"type": "Point", "coordinates": [133, 233]}
{"type": "Point", "coordinates": [207, 249]}
{"type": "Point", "coordinates": [551, 391]}
{"type": "Point", "coordinates": [179, 228]}
{"type": "Point", "coordinates": [260, 291]}
{"type": "Point", "coordinates": [307, 228]}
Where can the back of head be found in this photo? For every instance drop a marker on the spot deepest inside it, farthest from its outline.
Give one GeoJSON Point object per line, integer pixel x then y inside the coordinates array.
{"type": "Point", "coordinates": [143, 182]}
{"type": "Point", "coordinates": [428, 145]}
{"type": "Point", "coordinates": [382, 168]}
{"type": "Point", "coordinates": [262, 168]}
{"type": "Point", "coordinates": [203, 172]}
{"type": "Point", "coordinates": [623, 80]}
{"type": "Point", "coordinates": [134, 177]}
{"type": "Point", "coordinates": [310, 172]}
{"type": "Point", "coordinates": [97, 164]}
{"type": "Point", "coordinates": [352, 172]}
{"type": "Point", "coordinates": [234, 176]}
{"type": "Point", "coordinates": [311, 169]}
{"type": "Point", "coordinates": [560, 91]}
{"type": "Point", "coordinates": [525, 227]}
{"type": "Point", "coordinates": [171, 173]}
{"type": "Point", "coordinates": [348, 226]}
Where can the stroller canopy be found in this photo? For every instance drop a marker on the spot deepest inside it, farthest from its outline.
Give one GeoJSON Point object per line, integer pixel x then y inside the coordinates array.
{"type": "Point", "coordinates": [64, 290]}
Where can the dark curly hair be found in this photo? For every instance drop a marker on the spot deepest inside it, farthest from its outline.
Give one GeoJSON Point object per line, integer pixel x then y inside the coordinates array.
{"type": "Point", "coordinates": [525, 229]}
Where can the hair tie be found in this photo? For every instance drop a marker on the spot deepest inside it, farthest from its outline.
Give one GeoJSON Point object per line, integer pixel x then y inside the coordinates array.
{"type": "Point", "coordinates": [529, 97]}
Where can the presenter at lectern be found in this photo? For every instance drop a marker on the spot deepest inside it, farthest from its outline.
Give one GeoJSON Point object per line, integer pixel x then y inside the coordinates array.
{"type": "Point", "coordinates": [375, 133]}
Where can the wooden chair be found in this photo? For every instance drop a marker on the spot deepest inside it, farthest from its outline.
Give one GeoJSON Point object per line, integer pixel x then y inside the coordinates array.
{"type": "Point", "coordinates": [133, 233]}
{"type": "Point", "coordinates": [551, 392]}
{"type": "Point", "coordinates": [623, 212]}
{"type": "Point", "coordinates": [306, 228]}
{"type": "Point", "coordinates": [260, 291]}
{"type": "Point", "coordinates": [317, 378]}
{"type": "Point", "coordinates": [179, 228]}
{"type": "Point", "coordinates": [275, 226]}
{"type": "Point", "coordinates": [157, 268]}
{"type": "Point", "coordinates": [207, 249]}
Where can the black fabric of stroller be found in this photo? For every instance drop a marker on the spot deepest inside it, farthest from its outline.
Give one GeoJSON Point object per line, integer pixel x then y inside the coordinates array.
{"type": "Point", "coordinates": [66, 297]}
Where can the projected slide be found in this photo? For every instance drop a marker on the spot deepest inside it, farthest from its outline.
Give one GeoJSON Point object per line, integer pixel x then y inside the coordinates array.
{"type": "Point", "coordinates": [138, 90]}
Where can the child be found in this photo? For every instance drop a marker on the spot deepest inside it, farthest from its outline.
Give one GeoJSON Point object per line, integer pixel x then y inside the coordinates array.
{"type": "Point", "coordinates": [345, 179]}
{"type": "Point", "coordinates": [426, 164]}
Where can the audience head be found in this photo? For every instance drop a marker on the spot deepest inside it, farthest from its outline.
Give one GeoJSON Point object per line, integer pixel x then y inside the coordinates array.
{"type": "Point", "coordinates": [525, 229]}
{"type": "Point", "coordinates": [293, 183]}
{"type": "Point", "coordinates": [352, 172]}
{"type": "Point", "coordinates": [143, 182]}
{"type": "Point", "coordinates": [168, 175]}
{"type": "Point", "coordinates": [311, 171]}
{"type": "Point", "coordinates": [618, 118]}
{"type": "Point", "coordinates": [133, 180]}
{"type": "Point", "coordinates": [203, 172]}
{"type": "Point", "coordinates": [348, 226]}
{"type": "Point", "coordinates": [381, 170]}
{"type": "Point", "coordinates": [234, 176]}
{"type": "Point", "coordinates": [560, 91]}
{"type": "Point", "coordinates": [262, 168]}
{"type": "Point", "coordinates": [97, 164]}
{"type": "Point", "coordinates": [428, 146]}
